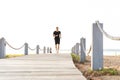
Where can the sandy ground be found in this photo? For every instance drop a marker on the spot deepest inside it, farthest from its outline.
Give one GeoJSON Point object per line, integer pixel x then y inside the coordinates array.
{"type": "Point", "coordinates": [109, 62]}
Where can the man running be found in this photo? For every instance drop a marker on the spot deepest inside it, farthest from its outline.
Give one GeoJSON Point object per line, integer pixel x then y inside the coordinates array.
{"type": "Point", "coordinates": [57, 36]}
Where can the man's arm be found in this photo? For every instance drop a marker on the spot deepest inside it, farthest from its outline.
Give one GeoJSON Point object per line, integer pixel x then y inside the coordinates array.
{"type": "Point", "coordinates": [60, 35]}
{"type": "Point", "coordinates": [53, 35]}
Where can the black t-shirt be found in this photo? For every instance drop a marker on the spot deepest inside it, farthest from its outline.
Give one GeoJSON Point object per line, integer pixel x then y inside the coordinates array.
{"type": "Point", "coordinates": [57, 33]}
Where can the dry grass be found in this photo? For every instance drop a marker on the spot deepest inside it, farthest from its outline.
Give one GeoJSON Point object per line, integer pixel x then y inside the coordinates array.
{"type": "Point", "coordinates": [13, 55]}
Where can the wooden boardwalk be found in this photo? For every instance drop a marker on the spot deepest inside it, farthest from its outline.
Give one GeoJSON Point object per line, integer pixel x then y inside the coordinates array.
{"type": "Point", "coordinates": [40, 67]}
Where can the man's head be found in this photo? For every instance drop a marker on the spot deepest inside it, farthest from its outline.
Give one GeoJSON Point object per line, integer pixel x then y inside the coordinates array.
{"type": "Point", "coordinates": [57, 28]}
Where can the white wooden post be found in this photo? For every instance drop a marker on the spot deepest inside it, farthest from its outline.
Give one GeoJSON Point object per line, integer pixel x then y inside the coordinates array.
{"type": "Point", "coordinates": [2, 48]}
{"type": "Point", "coordinates": [97, 48]}
{"type": "Point", "coordinates": [77, 48]}
{"type": "Point", "coordinates": [48, 51]}
{"type": "Point", "coordinates": [74, 49]}
{"type": "Point", "coordinates": [44, 50]}
{"type": "Point", "coordinates": [37, 49]}
{"type": "Point", "coordinates": [26, 49]}
{"type": "Point", "coordinates": [83, 50]}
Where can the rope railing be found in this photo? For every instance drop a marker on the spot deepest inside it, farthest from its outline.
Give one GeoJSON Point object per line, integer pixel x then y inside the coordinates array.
{"type": "Point", "coordinates": [32, 49]}
{"type": "Point", "coordinates": [89, 50]}
{"type": "Point", "coordinates": [106, 34]}
{"type": "Point", "coordinates": [85, 51]}
{"type": "Point", "coordinates": [19, 47]}
{"type": "Point", "coordinates": [96, 47]}
{"type": "Point", "coordinates": [3, 44]}
{"type": "Point", "coordinates": [14, 47]}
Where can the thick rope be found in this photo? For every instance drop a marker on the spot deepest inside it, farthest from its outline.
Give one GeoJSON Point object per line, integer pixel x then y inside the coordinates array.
{"type": "Point", "coordinates": [89, 50]}
{"type": "Point", "coordinates": [13, 47]}
{"type": "Point", "coordinates": [107, 35]}
{"type": "Point", "coordinates": [31, 48]}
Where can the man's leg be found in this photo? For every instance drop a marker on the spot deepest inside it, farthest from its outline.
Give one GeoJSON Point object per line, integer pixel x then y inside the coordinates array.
{"type": "Point", "coordinates": [58, 47]}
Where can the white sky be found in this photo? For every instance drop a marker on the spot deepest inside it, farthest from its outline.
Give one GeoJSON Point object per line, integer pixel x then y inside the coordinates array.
{"type": "Point", "coordinates": [33, 21]}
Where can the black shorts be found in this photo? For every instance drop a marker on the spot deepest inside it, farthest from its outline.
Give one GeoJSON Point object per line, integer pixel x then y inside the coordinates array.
{"type": "Point", "coordinates": [57, 40]}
